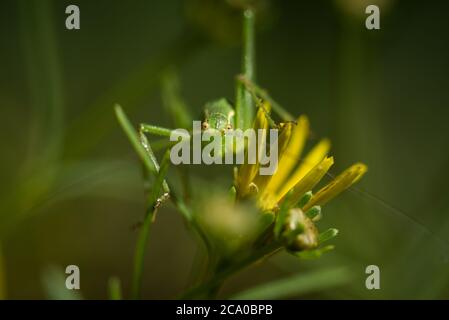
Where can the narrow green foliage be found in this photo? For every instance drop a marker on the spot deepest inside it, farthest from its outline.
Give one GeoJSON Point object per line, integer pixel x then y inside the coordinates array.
{"type": "Point", "coordinates": [42, 62]}
{"type": "Point", "coordinates": [282, 215]}
{"type": "Point", "coordinates": [314, 213]}
{"type": "Point", "coordinates": [315, 253]}
{"type": "Point", "coordinates": [296, 285]}
{"type": "Point", "coordinates": [155, 130]}
{"type": "Point", "coordinates": [148, 158]}
{"type": "Point", "coordinates": [244, 109]}
{"type": "Point", "coordinates": [305, 198]}
{"type": "Point", "coordinates": [154, 202]}
{"type": "Point", "coordinates": [115, 289]}
{"type": "Point", "coordinates": [266, 220]}
{"type": "Point", "coordinates": [232, 193]}
{"type": "Point", "coordinates": [327, 235]}
{"type": "Point", "coordinates": [182, 207]}
{"type": "Point", "coordinates": [277, 108]}
{"type": "Point", "coordinates": [2, 276]}
{"type": "Point", "coordinates": [173, 102]}
{"type": "Point", "coordinates": [140, 255]}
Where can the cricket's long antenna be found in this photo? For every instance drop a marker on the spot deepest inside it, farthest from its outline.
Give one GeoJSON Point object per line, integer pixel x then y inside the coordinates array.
{"type": "Point", "coordinates": [398, 212]}
{"type": "Point", "coordinates": [402, 214]}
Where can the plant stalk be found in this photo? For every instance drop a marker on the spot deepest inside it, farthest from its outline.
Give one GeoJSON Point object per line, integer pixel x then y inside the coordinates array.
{"type": "Point", "coordinates": [139, 257]}
{"type": "Point", "coordinates": [244, 108]}
{"type": "Point", "coordinates": [210, 287]}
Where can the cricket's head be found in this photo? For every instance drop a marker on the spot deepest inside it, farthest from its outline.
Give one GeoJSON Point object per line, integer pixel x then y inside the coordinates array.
{"type": "Point", "coordinates": [218, 115]}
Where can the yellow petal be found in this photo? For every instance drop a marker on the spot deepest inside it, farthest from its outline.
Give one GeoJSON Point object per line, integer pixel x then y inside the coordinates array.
{"type": "Point", "coordinates": [267, 202]}
{"type": "Point", "coordinates": [338, 185]}
{"type": "Point", "coordinates": [310, 180]}
{"type": "Point", "coordinates": [247, 172]}
{"type": "Point", "coordinates": [290, 157]}
{"type": "Point", "coordinates": [315, 156]}
{"type": "Point", "coordinates": [263, 113]}
{"type": "Point", "coordinates": [283, 140]}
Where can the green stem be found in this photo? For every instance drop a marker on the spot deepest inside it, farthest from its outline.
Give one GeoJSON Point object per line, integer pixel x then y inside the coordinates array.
{"type": "Point", "coordinates": [154, 201]}
{"type": "Point", "coordinates": [2, 276]}
{"type": "Point", "coordinates": [140, 256]}
{"type": "Point", "coordinates": [210, 287]}
{"type": "Point", "coordinates": [158, 187]}
{"type": "Point", "coordinates": [262, 93]}
{"type": "Point", "coordinates": [244, 102]}
{"type": "Point", "coordinates": [115, 289]}
{"type": "Point", "coordinates": [249, 47]}
{"type": "Point", "coordinates": [44, 75]}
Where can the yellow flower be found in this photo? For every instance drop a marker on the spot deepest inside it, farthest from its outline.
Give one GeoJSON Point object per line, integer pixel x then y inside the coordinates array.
{"type": "Point", "coordinates": [295, 175]}
{"type": "Point", "coordinates": [248, 171]}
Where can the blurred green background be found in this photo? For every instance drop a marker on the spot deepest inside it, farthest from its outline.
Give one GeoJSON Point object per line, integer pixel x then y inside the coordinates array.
{"type": "Point", "coordinates": [71, 184]}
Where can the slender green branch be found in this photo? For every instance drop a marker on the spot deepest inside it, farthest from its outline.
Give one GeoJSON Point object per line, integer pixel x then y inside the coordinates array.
{"type": "Point", "coordinates": [148, 128]}
{"type": "Point", "coordinates": [253, 87]}
{"type": "Point", "coordinates": [44, 74]}
{"type": "Point", "coordinates": [221, 275]}
{"type": "Point", "coordinates": [249, 47]}
{"type": "Point", "coordinates": [155, 199]}
{"type": "Point", "coordinates": [140, 255]}
{"type": "Point", "coordinates": [297, 284]}
{"type": "Point", "coordinates": [115, 289]}
{"type": "Point", "coordinates": [154, 202]}
{"type": "Point", "coordinates": [244, 109]}
{"type": "Point", "coordinates": [2, 275]}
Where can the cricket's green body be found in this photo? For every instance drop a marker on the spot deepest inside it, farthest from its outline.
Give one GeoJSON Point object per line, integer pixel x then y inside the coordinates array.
{"type": "Point", "coordinates": [218, 115]}
{"type": "Point", "coordinates": [219, 119]}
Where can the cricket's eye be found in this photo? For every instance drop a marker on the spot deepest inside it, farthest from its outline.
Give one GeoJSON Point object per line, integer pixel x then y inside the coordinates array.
{"type": "Point", "coordinates": [205, 125]}
{"type": "Point", "coordinates": [229, 127]}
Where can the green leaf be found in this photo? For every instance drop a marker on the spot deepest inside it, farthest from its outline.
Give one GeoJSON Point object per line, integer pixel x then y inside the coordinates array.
{"type": "Point", "coordinates": [173, 101]}
{"type": "Point", "coordinates": [296, 285]}
{"type": "Point", "coordinates": [2, 276]}
{"type": "Point", "coordinates": [244, 107]}
{"type": "Point", "coordinates": [315, 253]}
{"type": "Point", "coordinates": [44, 75]}
{"type": "Point", "coordinates": [266, 220]}
{"type": "Point", "coordinates": [304, 199]}
{"type": "Point", "coordinates": [314, 213]}
{"type": "Point", "coordinates": [327, 235]}
{"type": "Point", "coordinates": [282, 215]}
{"type": "Point", "coordinates": [115, 289]}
